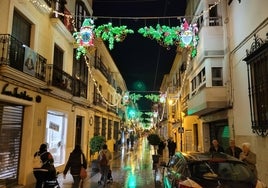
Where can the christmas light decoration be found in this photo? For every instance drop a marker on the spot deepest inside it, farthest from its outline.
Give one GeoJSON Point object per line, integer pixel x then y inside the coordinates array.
{"type": "Point", "coordinates": [188, 37]}
{"type": "Point", "coordinates": [184, 35]}
{"type": "Point", "coordinates": [112, 34]}
{"type": "Point", "coordinates": [166, 36]}
{"type": "Point", "coordinates": [84, 38]}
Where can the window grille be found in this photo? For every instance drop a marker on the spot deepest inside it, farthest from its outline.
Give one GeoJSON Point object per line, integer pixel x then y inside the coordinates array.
{"type": "Point", "coordinates": [257, 68]}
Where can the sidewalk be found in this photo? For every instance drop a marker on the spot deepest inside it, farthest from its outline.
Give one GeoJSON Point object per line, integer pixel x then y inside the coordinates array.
{"type": "Point", "coordinates": [131, 168]}
{"type": "Point", "coordinates": [67, 182]}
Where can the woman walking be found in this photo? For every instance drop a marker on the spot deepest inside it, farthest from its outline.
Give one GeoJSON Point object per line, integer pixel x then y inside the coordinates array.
{"type": "Point", "coordinates": [75, 162]}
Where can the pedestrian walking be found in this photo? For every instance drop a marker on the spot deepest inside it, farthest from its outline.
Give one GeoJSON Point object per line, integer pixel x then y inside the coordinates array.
{"type": "Point", "coordinates": [233, 150]}
{"type": "Point", "coordinates": [249, 157]}
{"type": "Point", "coordinates": [215, 147]}
{"type": "Point", "coordinates": [75, 162]}
{"type": "Point", "coordinates": [43, 168]}
{"type": "Point", "coordinates": [161, 147]}
{"type": "Point", "coordinates": [104, 157]}
{"type": "Point", "coordinates": [171, 147]}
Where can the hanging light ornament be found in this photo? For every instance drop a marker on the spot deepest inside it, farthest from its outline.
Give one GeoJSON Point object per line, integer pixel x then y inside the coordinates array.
{"type": "Point", "coordinates": [112, 34]}
{"type": "Point", "coordinates": [126, 99]}
{"type": "Point", "coordinates": [84, 38]}
{"type": "Point", "coordinates": [188, 37]}
{"type": "Point", "coordinates": [163, 97]}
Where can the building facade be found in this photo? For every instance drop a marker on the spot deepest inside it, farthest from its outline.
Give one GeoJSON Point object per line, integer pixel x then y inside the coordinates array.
{"type": "Point", "coordinates": [220, 93]}
{"type": "Point", "coordinates": [47, 95]}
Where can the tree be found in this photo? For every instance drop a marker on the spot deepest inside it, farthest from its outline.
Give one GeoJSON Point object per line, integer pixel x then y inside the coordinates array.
{"type": "Point", "coordinates": [96, 143]}
{"type": "Point", "coordinates": [154, 140]}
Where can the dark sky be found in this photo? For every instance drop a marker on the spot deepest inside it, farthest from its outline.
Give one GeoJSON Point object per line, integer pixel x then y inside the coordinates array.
{"type": "Point", "coordinates": [139, 59]}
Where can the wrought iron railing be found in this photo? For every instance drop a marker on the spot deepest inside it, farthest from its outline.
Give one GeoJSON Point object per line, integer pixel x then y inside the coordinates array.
{"type": "Point", "coordinates": [103, 69]}
{"type": "Point", "coordinates": [15, 54]}
{"type": "Point", "coordinates": [62, 80]}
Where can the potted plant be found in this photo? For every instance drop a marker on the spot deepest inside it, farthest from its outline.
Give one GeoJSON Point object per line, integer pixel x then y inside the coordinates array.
{"type": "Point", "coordinates": [154, 140]}
{"type": "Point", "coordinates": [95, 145]}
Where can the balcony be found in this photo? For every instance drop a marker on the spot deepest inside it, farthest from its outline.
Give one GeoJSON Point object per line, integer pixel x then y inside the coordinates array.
{"type": "Point", "coordinates": [97, 100]}
{"type": "Point", "coordinates": [209, 99]}
{"type": "Point", "coordinates": [18, 60]}
{"type": "Point", "coordinates": [102, 68]}
{"type": "Point", "coordinates": [21, 63]}
{"type": "Point", "coordinates": [211, 38]}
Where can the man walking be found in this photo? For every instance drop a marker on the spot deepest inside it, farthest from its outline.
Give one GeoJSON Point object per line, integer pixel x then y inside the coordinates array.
{"type": "Point", "coordinates": [105, 157]}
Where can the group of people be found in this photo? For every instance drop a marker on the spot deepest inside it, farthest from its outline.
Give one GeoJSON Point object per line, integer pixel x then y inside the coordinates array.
{"type": "Point", "coordinates": [75, 162]}
{"type": "Point", "coordinates": [244, 154]}
{"type": "Point", "coordinates": [171, 145]}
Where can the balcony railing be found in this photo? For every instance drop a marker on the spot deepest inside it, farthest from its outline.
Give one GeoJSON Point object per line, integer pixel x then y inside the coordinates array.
{"type": "Point", "coordinates": [103, 69]}
{"type": "Point", "coordinates": [62, 80]}
{"type": "Point", "coordinates": [112, 109]}
{"type": "Point", "coordinates": [210, 21]}
{"type": "Point", "coordinates": [20, 57]}
{"type": "Point", "coordinates": [98, 101]}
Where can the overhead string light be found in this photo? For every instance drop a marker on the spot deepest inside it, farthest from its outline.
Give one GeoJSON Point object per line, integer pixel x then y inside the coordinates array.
{"type": "Point", "coordinates": [84, 39]}
{"type": "Point", "coordinates": [97, 87]}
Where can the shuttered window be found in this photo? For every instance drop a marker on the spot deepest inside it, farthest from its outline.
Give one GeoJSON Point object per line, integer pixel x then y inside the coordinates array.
{"type": "Point", "coordinates": [11, 118]}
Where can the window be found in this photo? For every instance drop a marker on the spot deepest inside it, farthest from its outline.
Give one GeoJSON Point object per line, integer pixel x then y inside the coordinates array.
{"type": "Point", "coordinates": [217, 76]}
{"type": "Point", "coordinates": [19, 38]}
{"type": "Point", "coordinates": [104, 127]}
{"type": "Point", "coordinates": [110, 129]}
{"type": "Point", "coordinates": [80, 74]}
{"type": "Point", "coordinates": [56, 126]}
{"type": "Point", "coordinates": [58, 57]}
{"type": "Point", "coordinates": [81, 13]}
{"type": "Point", "coordinates": [257, 65]}
{"type": "Point", "coordinates": [96, 126]}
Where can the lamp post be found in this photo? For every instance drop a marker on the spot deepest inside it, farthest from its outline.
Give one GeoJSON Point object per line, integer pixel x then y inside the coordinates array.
{"type": "Point", "coordinates": [181, 130]}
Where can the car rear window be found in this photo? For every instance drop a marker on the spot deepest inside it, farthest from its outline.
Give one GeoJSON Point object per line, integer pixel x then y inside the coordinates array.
{"type": "Point", "coordinates": [230, 171]}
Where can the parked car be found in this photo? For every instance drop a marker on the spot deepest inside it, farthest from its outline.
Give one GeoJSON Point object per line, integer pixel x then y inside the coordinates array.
{"type": "Point", "coordinates": [208, 170]}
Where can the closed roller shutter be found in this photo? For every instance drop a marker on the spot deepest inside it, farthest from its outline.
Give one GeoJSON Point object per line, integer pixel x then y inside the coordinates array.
{"type": "Point", "coordinates": [11, 117]}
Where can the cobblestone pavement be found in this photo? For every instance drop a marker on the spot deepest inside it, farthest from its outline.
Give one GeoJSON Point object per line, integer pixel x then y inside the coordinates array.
{"type": "Point", "coordinates": [131, 168]}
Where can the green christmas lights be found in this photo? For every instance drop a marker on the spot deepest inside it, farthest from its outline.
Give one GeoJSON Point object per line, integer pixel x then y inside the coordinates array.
{"type": "Point", "coordinates": [112, 34]}
{"type": "Point", "coordinates": [183, 36]}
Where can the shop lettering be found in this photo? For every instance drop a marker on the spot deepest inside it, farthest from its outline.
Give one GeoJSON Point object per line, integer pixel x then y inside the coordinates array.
{"type": "Point", "coordinates": [15, 93]}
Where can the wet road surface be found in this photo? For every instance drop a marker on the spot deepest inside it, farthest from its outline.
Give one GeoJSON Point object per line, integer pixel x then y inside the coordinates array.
{"type": "Point", "coordinates": [131, 168]}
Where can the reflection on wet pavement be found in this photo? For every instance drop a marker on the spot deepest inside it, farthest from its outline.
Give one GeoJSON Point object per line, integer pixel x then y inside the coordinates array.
{"type": "Point", "coordinates": [131, 168]}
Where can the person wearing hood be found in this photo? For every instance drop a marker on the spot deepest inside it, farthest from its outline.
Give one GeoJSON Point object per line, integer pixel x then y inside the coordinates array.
{"type": "Point", "coordinates": [75, 162]}
{"type": "Point", "coordinates": [47, 170]}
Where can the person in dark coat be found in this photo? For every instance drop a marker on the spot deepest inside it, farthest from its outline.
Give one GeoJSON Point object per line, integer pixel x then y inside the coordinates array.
{"type": "Point", "coordinates": [215, 147]}
{"type": "Point", "coordinates": [161, 147]}
{"type": "Point", "coordinates": [47, 171]}
{"type": "Point", "coordinates": [171, 147]}
{"type": "Point", "coordinates": [233, 150]}
{"type": "Point", "coordinates": [75, 162]}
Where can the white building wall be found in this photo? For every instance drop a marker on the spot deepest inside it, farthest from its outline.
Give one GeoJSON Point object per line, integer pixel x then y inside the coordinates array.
{"type": "Point", "coordinates": [243, 20]}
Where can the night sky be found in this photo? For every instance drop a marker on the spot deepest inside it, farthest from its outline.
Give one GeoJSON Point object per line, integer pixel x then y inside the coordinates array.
{"type": "Point", "coordinates": [141, 61]}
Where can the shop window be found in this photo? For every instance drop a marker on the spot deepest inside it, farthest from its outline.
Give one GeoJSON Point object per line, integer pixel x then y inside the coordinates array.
{"type": "Point", "coordinates": [56, 126]}
{"type": "Point", "coordinates": [257, 68]}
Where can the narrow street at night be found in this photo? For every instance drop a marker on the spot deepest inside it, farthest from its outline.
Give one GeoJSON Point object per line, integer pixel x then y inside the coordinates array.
{"type": "Point", "coordinates": [131, 168]}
